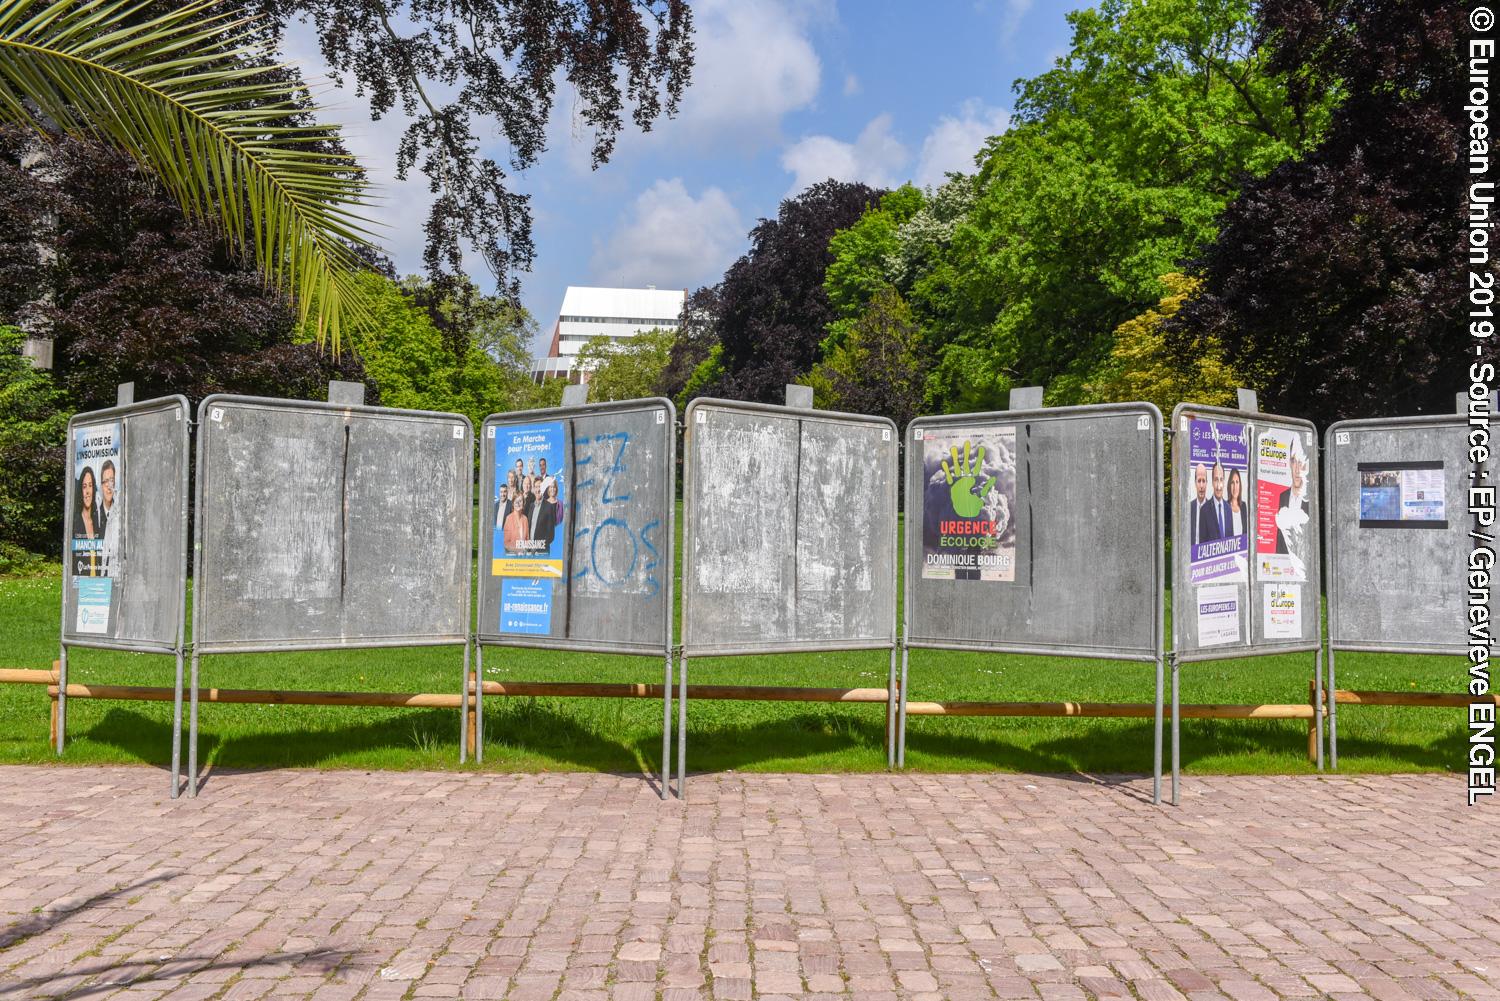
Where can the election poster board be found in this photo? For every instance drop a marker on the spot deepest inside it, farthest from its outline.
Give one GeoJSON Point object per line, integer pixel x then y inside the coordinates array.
{"type": "Point", "coordinates": [577, 507]}
{"type": "Point", "coordinates": [1040, 532]}
{"type": "Point", "coordinates": [125, 548]}
{"type": "Point", "coordinates": [1245, 534]}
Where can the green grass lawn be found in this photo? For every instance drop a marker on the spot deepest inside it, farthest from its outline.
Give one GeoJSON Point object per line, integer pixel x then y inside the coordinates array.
{"type": "Point", "coordinates": [624, 735]}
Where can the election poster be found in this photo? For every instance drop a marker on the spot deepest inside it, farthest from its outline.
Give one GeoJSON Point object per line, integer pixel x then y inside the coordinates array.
{"type": "Point", "coordinates": [1218, 505]}
{"type": "Point", "coordinates": [969, 504]}
{"type": "Point", "coordinates": [528, 536]}
{"type": "Point", "coordinates": [1282, 611]}
{"type": "Point", "coordinates": [1283, 510]}
{"type": "Point", "coordinates": [95, 543]}
{"type": "Point", "coordinates": [1402, 495]}
{"type": "Point", "coordinates": [1218, 614]}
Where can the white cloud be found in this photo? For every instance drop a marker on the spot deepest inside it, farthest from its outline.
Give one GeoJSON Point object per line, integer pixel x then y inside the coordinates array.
{"type": "Point", "coordinates": [1010, 20]}
{"type": "Point", "coordinates": [876, 157]}
{"type": "Point", "coordinates": [753, 64]}
{"type": "Point", "coordinates": [953, 141]}
{"type": "Point", "coordinates": [670, 239]}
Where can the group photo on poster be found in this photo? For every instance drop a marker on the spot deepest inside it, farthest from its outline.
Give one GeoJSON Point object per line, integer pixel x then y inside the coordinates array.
{"type": "Point", "coordinates": [97, 522]}
{"type": "Point", "coordinates": [1283, 520]}
{"type": "Point", "coordinates": [969, 504]}
{"type": "Point", "coordinates": [1218, 506]}
{"type": "Point", "coordinates": [528, 534]}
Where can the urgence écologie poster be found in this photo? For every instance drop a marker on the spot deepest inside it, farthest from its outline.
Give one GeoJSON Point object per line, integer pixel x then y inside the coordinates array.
{"type": "Point", "coordinates": [969, 504]}
{"type": "Point", "coordinates": [1283, 506]}
{"type": "Point", "coordinates": [528, 545]}
{"type": "Point", "coordinates": [1218, 503]}
{"type": "Point", "coordinates": [95, 543]}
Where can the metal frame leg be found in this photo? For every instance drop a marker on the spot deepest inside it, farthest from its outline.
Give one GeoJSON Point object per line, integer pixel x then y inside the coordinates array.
{"type": "Point", "coordinates": [177, 730]}
{"type": "Point", "coordinates": [193, 729]}
{"type": "Point", "coordinates": [62, 698]}
{"type": "Point", "coordinates": [1318, 703]}
{"type": "Point", "coordinates": [682, 729]}
{"type": "Point", "coordinates": [478, 705]}
{"type": "Point", "coordinates": [463, 715]}
{"type": "Point", "coordinates": [666, 725]}
{"type": "Point", "coordinates": [1333, 716]}
{"type": "Point", "coordinates": [1176, 733]}
{"type": "Point", "coordinates": [901, 711]}
{"type": "Point", "coordinates": [1156, 750]}
{"type": "Point", "coordinates": [890, 714]}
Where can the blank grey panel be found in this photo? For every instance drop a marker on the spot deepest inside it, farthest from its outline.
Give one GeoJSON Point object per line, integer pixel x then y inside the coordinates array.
{"type": "Point", "coordinates": [1086, 527]}
{"type": "Point", "coordinates": [739, 572]}
{"type": "Point", "coordinates": [618, 525]}
{"type": "Point", "coordinates": [326, 526]}
{"type": "Point", "coordinates": [407, 544]}
{"type": "Point", "coordinates": [1397, 587]}
{"type": "Point", "coordinates": [150, 567]}
{"type": "Point", "coordinates": [845, 546]}
{"type": "Point", "coordinates": [1250, 596]}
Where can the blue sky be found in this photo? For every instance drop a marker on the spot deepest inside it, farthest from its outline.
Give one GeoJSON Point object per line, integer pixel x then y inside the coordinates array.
{"type": "Point", "coordinates": [784, 93]}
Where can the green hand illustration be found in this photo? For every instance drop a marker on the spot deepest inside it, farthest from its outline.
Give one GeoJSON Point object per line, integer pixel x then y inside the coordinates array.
{"type": "Point", "coordinates": [961, 474]}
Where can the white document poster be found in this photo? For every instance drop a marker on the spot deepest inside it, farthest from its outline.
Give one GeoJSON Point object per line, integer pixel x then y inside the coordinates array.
{"type": "Point", "coordinates": [1218, 614]}
{"type": "Point", "coordinates": [1283, 611]}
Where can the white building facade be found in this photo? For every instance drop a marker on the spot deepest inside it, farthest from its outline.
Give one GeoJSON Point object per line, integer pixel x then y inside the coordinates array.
{"type": "Point", "coordinates": [617, 313]}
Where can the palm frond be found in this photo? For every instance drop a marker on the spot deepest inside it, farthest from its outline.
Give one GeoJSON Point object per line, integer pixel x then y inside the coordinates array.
{"type": "Point", "coordinates": [187, 93]}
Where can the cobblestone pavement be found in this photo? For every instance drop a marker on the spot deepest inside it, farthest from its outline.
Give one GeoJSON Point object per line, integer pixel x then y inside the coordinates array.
{"type": "Point", "coordinates": [343, 885]}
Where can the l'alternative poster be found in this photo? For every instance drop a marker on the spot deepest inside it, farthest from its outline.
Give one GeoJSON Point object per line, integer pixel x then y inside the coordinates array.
{"type": "Point", "coordinates": [1218, 505]}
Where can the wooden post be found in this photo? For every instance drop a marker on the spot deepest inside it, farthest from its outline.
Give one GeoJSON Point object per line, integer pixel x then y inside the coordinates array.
{"type": "Point", "coordinates": [1312, 722]}
{"type": "Point", "coordinates": [52, 730]}
{"type": "Point", "coordinates": [472, 726]}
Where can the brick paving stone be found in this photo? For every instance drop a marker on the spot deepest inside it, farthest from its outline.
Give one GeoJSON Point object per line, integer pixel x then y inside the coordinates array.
{"type": "Point", "coordinates": [347, 886]}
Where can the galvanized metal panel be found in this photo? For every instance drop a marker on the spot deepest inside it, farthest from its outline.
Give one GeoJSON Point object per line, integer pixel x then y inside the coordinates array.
{"type": "Point", "coordinates": [1396, 588]}
{"type": "Point", "coordinates": [1252, 594]}
{"type": "Point", "coordinates": [325, 526]}
{"type": "Point", "coordinates": [149, 570]}
{"type": "Point", "coordinates": [1077, 492]}
{"type": "Point", "coordinates": [790, 527]}
{"type": "Point", "coordinates": [620, 471]}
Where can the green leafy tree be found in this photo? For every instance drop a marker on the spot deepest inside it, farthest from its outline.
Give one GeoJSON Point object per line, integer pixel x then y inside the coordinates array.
{"type": "Point", "coordinates": [626, 369]}
{"type": "Point", "coordinates": [1120, 161]}
{"type": "Point", "coordinates": [1142, 365]}
{"type": "Point", "coordinates": [192, 93]}
{"type": "Point", "coordinates": [864, 257]}
{"type": "Point", "coordinates": [33, 431]}
{"type": "Point", "coordinates": [878, 366]}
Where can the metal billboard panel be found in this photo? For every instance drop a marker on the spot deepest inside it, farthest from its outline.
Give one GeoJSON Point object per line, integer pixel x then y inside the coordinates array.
{"type": "Point", "coordinates": [1253, 586]}
{"type": "Point", "coordinates": [325, 526]}
{"type": "Point", "coordinates": [1048, 542]}
{"type": "Point", "coordinates": [617, 484]}
{"type": "Point", "coordinates": [789, 531]}
{"type": "Point", "coordinates": [125, 557]}
{"type": "Point", "coordinates": [1395, 542]}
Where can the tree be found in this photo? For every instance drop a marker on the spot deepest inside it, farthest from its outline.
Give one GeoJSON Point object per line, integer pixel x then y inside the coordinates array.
{"type": "Point", "coordinates": [131, 291]}
{"type": "Point", "coordinates": [477, 366]}
{"type": "Point", "coordinates": [191, 94]}
{"type": "Point", "coordinates": [1142, 366]}
{"type": "Point", "coordinates": [626, 369]}
{"type": "Point", "coordinates": [1335, 281]}
{"type": "Point", "coordinates": [697, 339]}
{"type": "Point", "coordinates": [499, 64]}
{"type": "Point", "coordinates": [878, 366]}
{"type": "Point", "coordinates": [864, 257]}
{"type": "Point", "coordinates": [1121, 158]}
{"type": "Point", "coordinates": [772, 309]}
{"type": "Point", "coordinates": [33, 431]}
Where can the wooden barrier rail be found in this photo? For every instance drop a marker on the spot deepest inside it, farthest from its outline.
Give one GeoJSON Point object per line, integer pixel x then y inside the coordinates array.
{"type": "Point", "coordinates": [582, 689]}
